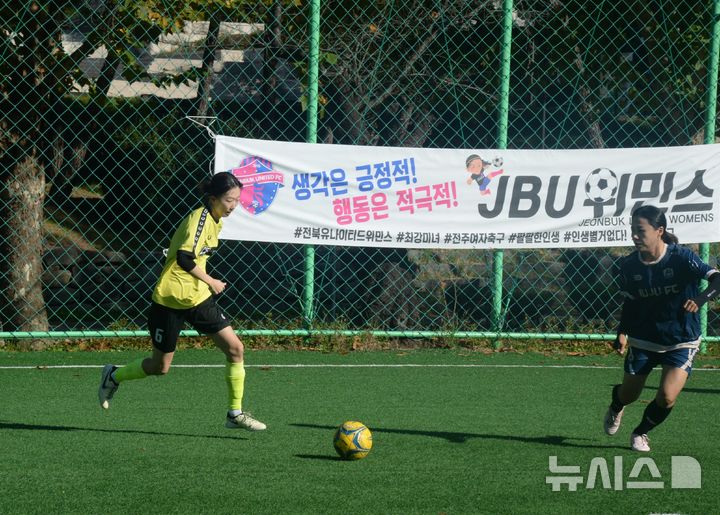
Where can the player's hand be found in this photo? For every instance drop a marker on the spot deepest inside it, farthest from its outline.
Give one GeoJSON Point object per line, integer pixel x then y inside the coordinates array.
{"type": "Point", "coordinates": [690, 306]}
{"type": "Point", "coordinates": [620, 344]}
{"type": "Point", "coordinates": [217, 286]}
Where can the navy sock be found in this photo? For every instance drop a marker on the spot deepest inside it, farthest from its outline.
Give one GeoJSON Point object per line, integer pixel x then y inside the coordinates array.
{"type": "Point", "coordinates": [653, 416]}
{"type": "Point", "coordinates": [616, 405]}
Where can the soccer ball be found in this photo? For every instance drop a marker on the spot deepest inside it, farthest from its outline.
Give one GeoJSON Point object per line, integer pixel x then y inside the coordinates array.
{"type": "Point", "coordinates": [352, 440]}
{"type": "Point", "coordinates": [601, 185]}
{"type": "Point", "coordinates": [497, 162]}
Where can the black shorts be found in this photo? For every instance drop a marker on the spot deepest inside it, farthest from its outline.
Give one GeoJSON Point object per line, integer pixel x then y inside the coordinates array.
{"type": "Point", "coordinates": [166, 323]}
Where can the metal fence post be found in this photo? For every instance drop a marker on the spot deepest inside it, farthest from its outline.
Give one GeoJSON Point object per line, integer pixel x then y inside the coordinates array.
{"type": "Point", "coordinates": [312, 122]}
{"type": "Point", "coordinates": [498, 255]}
{"type": "Point", "coordinates": [710, 115]}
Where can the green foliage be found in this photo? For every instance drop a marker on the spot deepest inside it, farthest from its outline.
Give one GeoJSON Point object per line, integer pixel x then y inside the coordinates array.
{"type": "Point", "coordinates": [420, 73]}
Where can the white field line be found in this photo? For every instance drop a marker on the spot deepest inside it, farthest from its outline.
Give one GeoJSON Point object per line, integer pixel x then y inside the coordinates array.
{"type": "Point", "coordinates": [340, 365]}
{"type": "Point", "coordinates": [350, 365]}
{"type": "Point", "coordinates": [326, 365]}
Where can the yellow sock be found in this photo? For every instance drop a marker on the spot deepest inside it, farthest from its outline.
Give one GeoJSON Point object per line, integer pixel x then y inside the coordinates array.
{"type": "Point", "coordinates": [235, 378]}
{"type": "Point", "coordinates": [130, 371]}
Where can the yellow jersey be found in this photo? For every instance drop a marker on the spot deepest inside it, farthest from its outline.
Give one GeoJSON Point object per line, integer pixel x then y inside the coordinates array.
{"type": "Point", "coordinates": [197, 234]}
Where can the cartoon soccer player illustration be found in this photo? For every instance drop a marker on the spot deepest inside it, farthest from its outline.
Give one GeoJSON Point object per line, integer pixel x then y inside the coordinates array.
{"type": "Point", "coordinates": [477, 167]}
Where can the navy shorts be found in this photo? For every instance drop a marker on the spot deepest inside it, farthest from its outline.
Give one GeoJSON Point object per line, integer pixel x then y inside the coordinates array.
{"type": "Point", "coordinates": [641, 362]}
{"type": "Point", "coordinates": [166, 323]}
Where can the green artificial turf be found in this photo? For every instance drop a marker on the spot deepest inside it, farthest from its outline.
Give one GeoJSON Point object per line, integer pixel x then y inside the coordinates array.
{"type": "Point", "coordinates": [447, 439]}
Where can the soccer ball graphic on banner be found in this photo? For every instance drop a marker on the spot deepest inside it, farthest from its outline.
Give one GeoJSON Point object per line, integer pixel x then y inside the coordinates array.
{"type": "Point", "coordinates": [352, 440]}
{"type": "Point", "coordinates": [601, 185]}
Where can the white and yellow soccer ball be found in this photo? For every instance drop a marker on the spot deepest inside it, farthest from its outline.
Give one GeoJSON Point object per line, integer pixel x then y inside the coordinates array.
{"type": "Point", "coordinates": [352, 440]}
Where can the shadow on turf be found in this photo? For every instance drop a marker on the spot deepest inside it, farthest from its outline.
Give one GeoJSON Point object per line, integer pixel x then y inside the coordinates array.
{"type": "Point", "coordinates": [687, 389]}
{"type": "Point", "coordinates": [39, 427]}
{"type": "Point", "coordinates": [322, 457]}
{"type": "Point", "coordinates": [692, 390]}
{"type": "Point", "coordinates": [553, 440]}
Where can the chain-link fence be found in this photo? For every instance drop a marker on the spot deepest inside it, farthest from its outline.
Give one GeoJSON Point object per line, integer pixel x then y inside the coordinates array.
{"type": "Point", "coordinates": [100, 158]}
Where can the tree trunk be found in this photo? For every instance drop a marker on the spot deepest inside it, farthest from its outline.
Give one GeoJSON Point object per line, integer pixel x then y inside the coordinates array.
{"type": "Point", "coordinates": [29, 88]}
{"type": "Point", "coordinates": [21, 209]}
{"type": "Point", "coordinates": [67, 159]}
{"type": "Point", "coordinates": [273, 43]}
{"type": "Point", "coordinates": [586, 107]}
{"type": "Point", "coordinates": [208, 62]}
{"type": "Point", "coordinates": [594, 130]}
{"type": "Point", "coordinates": [107, 73]}
{"type": "Point", "coordinates": [270, 98]}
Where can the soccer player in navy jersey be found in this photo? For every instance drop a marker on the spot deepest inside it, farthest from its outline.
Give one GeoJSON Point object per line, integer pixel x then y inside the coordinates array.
{"type": "Point", "coordinates": [659, 323]}
{"type": "Point", "coordinates": [186, 293]}
{"type": "Point", "coordinates": [477, 167]}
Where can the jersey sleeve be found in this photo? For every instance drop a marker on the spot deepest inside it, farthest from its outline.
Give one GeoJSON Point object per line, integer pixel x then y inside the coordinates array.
{"type": "Point", "coordinates": [697, 267]}
{"type": "Point", "coordinates": [627, 310]}
{"type": "Point", "coordinates": [192, 232]}
{"type": "Point", "coordinates": [621, 279]}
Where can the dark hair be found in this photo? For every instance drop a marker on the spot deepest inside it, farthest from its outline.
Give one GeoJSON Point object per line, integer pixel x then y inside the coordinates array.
{"type": "Point", "coordinates": [219, 184]}
{"type": "Point", "coordinates": [473, 157]}
{"type": "Point", "coordinates": [656, 218]}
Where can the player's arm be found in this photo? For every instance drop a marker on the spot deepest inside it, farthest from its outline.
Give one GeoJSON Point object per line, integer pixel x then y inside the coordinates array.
{"type": "Point", "coordinates": [620, 342]}
{"type": "Point", "coordinates": [711, 292]}
{"type": "Point", "coordinates": [627, 312]}
{"type": "Point", "coordinates": [186, 261]}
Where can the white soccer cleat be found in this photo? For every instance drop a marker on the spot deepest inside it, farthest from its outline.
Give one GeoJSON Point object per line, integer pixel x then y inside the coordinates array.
{"type": "Point", "coordinates": [108, 386]}
{"type": "Point", "coordinates": [244, 421]}
{"type": "Point", "coordinates": [639, 443]}
{"type": "Point", "coordinates": [612, 421]}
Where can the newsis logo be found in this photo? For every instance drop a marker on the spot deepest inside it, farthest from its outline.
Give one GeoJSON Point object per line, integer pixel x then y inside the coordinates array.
{"type": "Point", "coordinates": [685, 473]}
{"type": "Point", "coordinates": [606, 191]}
{"type": "Point", "coordinates": [260, 184]}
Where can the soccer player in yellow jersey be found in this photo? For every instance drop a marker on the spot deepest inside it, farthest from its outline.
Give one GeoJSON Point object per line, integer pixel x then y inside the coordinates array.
{"type": "Point", "coordinates": [185, 293]}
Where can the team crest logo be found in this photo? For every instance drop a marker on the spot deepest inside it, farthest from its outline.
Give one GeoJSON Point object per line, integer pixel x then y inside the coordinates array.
{"type": "Point", "coordinates": [260, 183]}
{"type": "Point", "coordinates": [668, 273]}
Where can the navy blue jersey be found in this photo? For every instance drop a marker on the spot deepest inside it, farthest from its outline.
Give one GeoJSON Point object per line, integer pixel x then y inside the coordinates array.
{"type": "Point", "coordinates": [652, 315]}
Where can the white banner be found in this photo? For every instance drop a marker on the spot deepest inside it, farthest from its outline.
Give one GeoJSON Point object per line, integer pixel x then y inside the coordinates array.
{"type": "Point", "coordinates": [465, 199]}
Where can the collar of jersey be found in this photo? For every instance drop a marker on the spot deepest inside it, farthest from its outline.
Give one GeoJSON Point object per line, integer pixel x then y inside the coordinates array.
{"type": "Point", "coordinates": [649, 263]}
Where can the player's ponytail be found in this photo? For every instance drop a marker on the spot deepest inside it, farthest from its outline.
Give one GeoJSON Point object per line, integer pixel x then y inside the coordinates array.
{"type": "Point", "coordinates": [656, 218]}
{"type": "Point", "coordinates": [218, 185]}
{"type": "Point", "coordinates": [669, 238]}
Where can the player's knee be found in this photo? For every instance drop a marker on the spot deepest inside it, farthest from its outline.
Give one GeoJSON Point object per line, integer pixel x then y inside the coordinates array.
{"type": "Point", "coordinates": [236, 351]}
{"type": "Point", "coordinates": [665, 401]}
